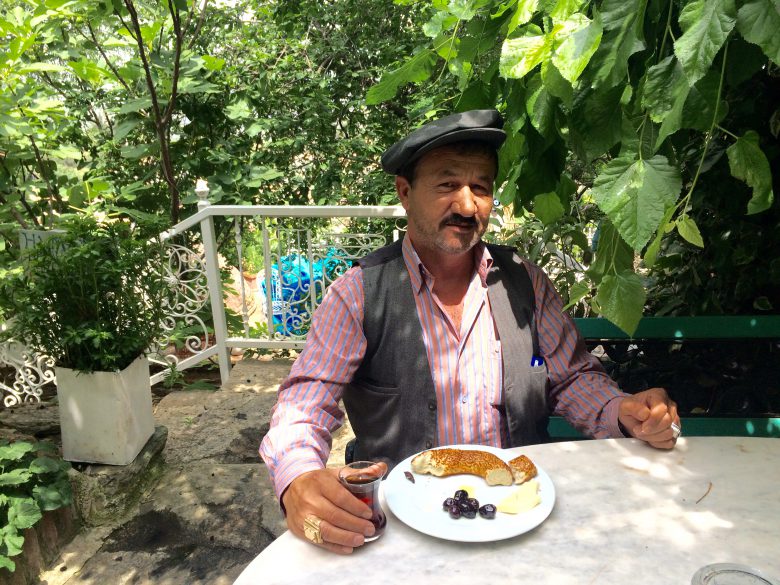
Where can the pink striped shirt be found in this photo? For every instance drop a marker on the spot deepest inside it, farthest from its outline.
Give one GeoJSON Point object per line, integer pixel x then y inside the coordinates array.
{"type": "Point", "coordinates": [466, 366]}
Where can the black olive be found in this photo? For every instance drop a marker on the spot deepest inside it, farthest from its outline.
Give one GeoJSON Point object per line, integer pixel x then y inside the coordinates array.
{"type": "Point", "coordinates": [454, 511]}
{"type": "Point", "coordinates": [449, 502]}
{"type": "Point", "coordinates": [469, 513]}
{"type": "Point", "coordinates": [461, 495]}
{"type": "Point", "coordinates": [488, 511]}
{"type": "Point", "coordinates": [473, 504]}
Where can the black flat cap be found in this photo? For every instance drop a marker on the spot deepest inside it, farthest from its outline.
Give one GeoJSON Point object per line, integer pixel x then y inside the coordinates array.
{"type": "Point", "coordinates": [483, 125]}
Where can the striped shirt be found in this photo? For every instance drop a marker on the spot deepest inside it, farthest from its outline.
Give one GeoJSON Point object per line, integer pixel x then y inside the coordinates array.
{"type": "Point", "coordinates": [466, 366]}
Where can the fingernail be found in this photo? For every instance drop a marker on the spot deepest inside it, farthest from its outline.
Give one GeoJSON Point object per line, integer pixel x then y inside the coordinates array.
{"type": "Point", "coordinates": [369, 531]}
{"type": "Point", "coordinates": [367, 514]}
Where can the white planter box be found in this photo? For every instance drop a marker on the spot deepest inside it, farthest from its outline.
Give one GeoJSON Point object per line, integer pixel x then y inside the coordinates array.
{"type": "Point", "coordinates": [105, 417]}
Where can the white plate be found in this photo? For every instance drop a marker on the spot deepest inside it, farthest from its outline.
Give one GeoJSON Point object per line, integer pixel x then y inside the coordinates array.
{"type": "Point", "coordinates": [419, 504]}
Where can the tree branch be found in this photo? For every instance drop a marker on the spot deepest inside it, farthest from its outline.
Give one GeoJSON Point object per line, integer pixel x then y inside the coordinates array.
{"type": "Point", "coordinates": [53, 193]}
{"type": "Point", "coordinates": [176, 63]}
{"type": "Point", "coordinates": [105, 58]}
{"type": "Point", "coordinates": [199, 26]}
{"type": "Point", "coordinates": [16, 215]}
{"type": "Point", "coordinates": [161, 121]}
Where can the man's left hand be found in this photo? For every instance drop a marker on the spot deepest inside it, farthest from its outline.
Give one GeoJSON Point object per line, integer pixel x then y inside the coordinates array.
{"type": "Point", "coordinates": [649, 415]}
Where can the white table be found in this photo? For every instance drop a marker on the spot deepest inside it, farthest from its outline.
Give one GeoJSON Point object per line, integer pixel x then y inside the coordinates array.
{"type": "Point", "coordinates": [625, 514]}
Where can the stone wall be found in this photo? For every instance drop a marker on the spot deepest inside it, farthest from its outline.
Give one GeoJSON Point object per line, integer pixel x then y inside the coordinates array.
{"type": "Point", "coordinates": [42, 544]}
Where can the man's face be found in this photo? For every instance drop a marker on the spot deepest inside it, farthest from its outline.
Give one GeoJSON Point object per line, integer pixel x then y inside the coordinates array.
{"type": "Point", "coordinates": [449, 203]}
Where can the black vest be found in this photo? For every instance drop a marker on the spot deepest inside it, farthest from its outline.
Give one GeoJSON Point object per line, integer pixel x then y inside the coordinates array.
{"type": "Point", "coordinates": [391, 402]}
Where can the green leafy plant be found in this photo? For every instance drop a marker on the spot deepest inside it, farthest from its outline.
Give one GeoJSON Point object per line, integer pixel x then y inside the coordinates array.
{"type": "Point", "coordinates": [131, 101]}
{"type": "Point", "coordinates": [640, 102]}
{"type": "Point", "coordinates": [91, 298]}
{"type": "Point", "coordinates": [33, 480]}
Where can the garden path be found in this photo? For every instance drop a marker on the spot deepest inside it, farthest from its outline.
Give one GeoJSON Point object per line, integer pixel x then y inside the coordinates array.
{"type": "Point", "coordinates": [212, 511]}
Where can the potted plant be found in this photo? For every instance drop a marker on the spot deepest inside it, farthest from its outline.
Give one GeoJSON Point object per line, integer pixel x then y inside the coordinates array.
{"type": "Point", "coordinates": [92, 298]}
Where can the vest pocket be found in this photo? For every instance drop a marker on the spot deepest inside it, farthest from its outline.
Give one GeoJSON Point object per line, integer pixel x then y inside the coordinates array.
{"type": "Point", "coordinates": [375, 387]}
{"type": "Point", "coordinates": [375, 415]}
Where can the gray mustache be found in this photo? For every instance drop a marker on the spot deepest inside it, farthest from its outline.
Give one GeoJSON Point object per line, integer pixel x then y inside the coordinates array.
{"type": "Point", "coordinates": [456, 219]}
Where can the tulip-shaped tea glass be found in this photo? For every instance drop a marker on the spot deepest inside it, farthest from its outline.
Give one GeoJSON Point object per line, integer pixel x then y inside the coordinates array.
{"type": "Point", "coordinates": [362, 479]}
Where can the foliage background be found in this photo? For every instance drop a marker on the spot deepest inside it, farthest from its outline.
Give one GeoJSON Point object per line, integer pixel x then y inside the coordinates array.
{"type": "Point", "coordinates": [128, 102]}
{"type": "Point", "coordinates": [643, 134]}
{"type": "Point", "coordinates": [649, 124]}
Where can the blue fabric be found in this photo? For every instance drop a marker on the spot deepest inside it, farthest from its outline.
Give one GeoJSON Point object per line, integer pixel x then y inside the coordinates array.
{"type": "Point", "coordinates": [290, 288]}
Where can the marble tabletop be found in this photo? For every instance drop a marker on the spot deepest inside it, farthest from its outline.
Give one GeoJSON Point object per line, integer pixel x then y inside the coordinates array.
{"type": "Point", "coordinates": [624, 513]}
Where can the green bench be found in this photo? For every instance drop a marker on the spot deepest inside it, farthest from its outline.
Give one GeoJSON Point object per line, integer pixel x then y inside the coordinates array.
{"type": "Point", "coordinates": [689, 328]}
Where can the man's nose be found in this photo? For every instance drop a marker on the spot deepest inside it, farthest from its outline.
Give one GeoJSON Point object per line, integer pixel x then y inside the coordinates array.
{"type": "Point", "coordinates": [464, 202]}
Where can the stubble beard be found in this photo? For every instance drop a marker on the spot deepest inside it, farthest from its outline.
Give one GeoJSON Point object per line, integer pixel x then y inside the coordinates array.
{"type": "Point", "coordinates": [449, 243]}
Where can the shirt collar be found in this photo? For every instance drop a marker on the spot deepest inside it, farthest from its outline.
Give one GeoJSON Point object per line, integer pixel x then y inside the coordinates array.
{"type": "Point", "coordinates": [420, 274]}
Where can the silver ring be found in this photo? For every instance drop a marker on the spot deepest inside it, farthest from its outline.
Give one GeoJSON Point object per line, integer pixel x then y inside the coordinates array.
{"type": "Point", "coordinates": [676, 431]}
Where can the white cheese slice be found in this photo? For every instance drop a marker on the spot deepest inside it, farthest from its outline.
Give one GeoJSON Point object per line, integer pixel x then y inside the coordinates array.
{"type": "Point", "coordinates": [522, 499]}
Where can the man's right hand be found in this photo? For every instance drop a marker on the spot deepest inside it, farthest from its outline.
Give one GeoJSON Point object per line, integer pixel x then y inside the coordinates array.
{"type": "Point", "coordinates": [346, 521]}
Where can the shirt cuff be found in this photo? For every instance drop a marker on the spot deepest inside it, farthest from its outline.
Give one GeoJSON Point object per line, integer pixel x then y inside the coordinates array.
{"type": "Point", "coordinates": [611, 412]}
{"type": "Point", "coordinates": [287, 472]}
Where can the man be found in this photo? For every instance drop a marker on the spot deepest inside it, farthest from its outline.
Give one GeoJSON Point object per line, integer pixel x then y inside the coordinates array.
{"type": "Point", "coordinates": [436, 340]}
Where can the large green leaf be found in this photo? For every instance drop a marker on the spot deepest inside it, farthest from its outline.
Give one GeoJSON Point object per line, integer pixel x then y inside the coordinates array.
{"type": "Point", "coordinates": [580, 39]}
{"type": "Point", "coordinates": [35, 67]}
{"type": "Point", "coordinates": [135, 105]}
{"type": "Point", "coordinates": [520, 55]}
{"type": "Point", "coordinates": [759, 22]}
{"type": "Point", "coordinates": [415, 70]}
{"type": "Point", "coordinates": [53, 496]}
{"type": "Point", "coordinates": [15, 451]}
{"type": "Point", "coordinates": [463, 9]}
{"type": "Point", "coordinates": [613, 254]}
{"type": "Point", "coordinates": [556, 85]}
{"type": "Point", "coordinates": [13, 543]}
{"type": "Point", "coordinates": [89, 71]}
{"type": "Point", "coordinates": [213, 63]}
{"type": "Point", "coordinates": [749, 163]}
{"type": "Point", "coordinates": [688, 229]}
{"type": "Point", "coordinates": [623, 36]}
{"type": "Point", "coordinates": [595, 121]}
{"type": "Point", "coordinates": [44, 465]}
{"type": "Point", "coordinates": [670, 100]}
{"type": "Point", "coordinates": [524, 10]}
{"type": "Point", "coordinates": [563, 9]}
{"type": "Point", "coordinates": [192, 85]}
{"type": "Point", "coordinates": [706, 25]}
{"type": "Point", "coordinates": [439, 22]}
{"type": "Point", "coordinates": [665, 86]}
{"type": "Point", "coordinates": [23, 512]}
{"type": "Point", "coordinates": [621, 298]}
{"type": "Point", "coordinates": [540, 106]}
{"type": "Point", "coordinates": [699, 109]}
{"type": "Point", "coordinates": [635, 194]}
{"type": "Point", "coordinates": [548, 208]}
{"type": "Point", "coordinates": [125, 127]}
{"type": "Point", "coordinates": [651, 254]}
{"type": "Point", "coordinates": [509, 190]}
{"type": "Point", "coordinates": [15, 477]}
{"type": "Point", "coordinates": [577, 292]}
{"type": "Point", "coordinates": [5, 562]}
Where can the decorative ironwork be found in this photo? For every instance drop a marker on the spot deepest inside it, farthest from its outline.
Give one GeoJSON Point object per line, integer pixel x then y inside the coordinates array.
{"type": "Point", "coordinates": [31, 373]}
{"type": "Point", "coordinates": [301, 271]}
{"type": "Point", "coordinates": [300, 265]}
{"type": "Point", "coordinates": [185, 272]}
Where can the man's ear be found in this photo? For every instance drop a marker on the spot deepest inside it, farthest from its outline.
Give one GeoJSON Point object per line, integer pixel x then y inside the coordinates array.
{"type": "Point", "coordinates": [402, 188]}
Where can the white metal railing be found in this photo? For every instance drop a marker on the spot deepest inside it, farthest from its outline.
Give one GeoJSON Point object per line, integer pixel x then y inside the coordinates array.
{"type": "Point", "coordinates": [303, 249]}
